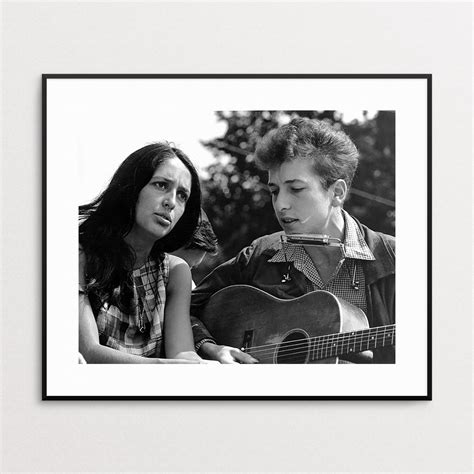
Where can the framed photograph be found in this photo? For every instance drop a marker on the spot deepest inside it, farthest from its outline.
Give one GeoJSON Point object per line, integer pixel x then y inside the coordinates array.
{"type": "Point", "coordinates": [325, 329]}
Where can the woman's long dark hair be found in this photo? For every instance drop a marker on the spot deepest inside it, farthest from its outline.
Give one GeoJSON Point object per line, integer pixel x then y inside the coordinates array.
{"type": "Point", "coordinates": [109, 218]}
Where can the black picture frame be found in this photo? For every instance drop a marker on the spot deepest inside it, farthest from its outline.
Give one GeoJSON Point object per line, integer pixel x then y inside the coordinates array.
{"type": "Point", "coordinates": [48, 394]}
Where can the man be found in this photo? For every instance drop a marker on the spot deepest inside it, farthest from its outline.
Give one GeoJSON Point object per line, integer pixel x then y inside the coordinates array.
{"type": "Point", "coordinates": [310, 169]}
{"type": "Point", "coordinates": [203, 241]}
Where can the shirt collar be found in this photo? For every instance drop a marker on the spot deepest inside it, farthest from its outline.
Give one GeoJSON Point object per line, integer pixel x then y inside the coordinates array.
{"type": "Point", "coordinates": [286, 253]}
{"type": "Point", "coordinates": [354, 245]}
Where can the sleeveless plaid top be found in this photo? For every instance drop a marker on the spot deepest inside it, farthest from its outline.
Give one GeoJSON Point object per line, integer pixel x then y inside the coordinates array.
{"type": "Point", "coordinates": [141, 332]}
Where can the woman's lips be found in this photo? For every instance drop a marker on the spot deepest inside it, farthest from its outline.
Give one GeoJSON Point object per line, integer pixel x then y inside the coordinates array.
{"type": "Point", "coordinates": [163, 220]}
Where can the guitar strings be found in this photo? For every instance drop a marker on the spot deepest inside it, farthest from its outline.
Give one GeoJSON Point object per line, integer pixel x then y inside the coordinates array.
{"type": "Point", "coordinates": [379, 330]}
{"type": "Point", "coordinates": [303, 346]}
{"type": "Point", "coordinates": [328, 350]}
{"type": "Point", "coordinates": [324, 344]}
{"type": "Point", "coordinates": [315, 356]}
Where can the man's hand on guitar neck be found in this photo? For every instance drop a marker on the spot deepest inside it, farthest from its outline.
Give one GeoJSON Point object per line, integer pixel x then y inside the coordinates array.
{"type": "Point", "coordinates": [226, 354]}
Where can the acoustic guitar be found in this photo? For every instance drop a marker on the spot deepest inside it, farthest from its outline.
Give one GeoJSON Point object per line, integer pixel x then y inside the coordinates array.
{"type": "Point", "coordinates": [315, 328]}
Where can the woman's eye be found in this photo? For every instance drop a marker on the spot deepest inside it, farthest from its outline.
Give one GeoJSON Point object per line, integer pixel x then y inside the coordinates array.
{"type": "Point", "coordinates": [273, 192]}
{"type": "Point", "coordinates": [297, 190]}
{"type": "Point", "coordinates": [183, 196]}
{"type": "Point", "coordinates": [160, 184]}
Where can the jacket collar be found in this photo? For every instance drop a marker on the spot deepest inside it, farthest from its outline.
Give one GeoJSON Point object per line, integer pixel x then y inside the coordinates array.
{"type": "Point", "coordinates": [383, 249]}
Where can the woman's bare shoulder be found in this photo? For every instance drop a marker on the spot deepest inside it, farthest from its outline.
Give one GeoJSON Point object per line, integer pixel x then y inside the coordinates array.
{"type": "Point", "coordinates": [180, 274]}
{"type": "Point", "coordinates": [175, 261]}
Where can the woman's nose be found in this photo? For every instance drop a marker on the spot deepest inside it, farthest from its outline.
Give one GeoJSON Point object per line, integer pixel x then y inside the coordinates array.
{"type": "Point", "coordinates": [169, 201]}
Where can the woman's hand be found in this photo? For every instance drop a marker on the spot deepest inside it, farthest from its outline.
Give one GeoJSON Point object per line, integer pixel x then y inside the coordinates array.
{"type": "Point", "coordinates": [180, 360]}
{"type": "Point", "coordinates": [226, 354]}
{"type": "Point", "coordinates": [190, 356]}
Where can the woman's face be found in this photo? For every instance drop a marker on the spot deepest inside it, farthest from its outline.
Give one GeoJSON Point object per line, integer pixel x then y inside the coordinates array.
{"type": "Point", "coordinates": [161, 202]}
{"type": "Point", "coordinates": [301, 204]}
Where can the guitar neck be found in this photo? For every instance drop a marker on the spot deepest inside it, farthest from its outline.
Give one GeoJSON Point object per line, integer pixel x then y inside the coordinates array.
{"type": "Point", "coordinates": [339, 344]}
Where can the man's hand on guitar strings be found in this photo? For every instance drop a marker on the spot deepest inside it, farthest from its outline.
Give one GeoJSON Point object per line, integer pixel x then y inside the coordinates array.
{"type": "Point", "coordinates": [227, 354]}
{"type": "Point", "coordinates": [232, 355]}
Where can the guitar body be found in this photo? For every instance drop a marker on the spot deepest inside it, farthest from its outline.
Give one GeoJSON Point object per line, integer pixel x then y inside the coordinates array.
{"type": "Point", "coordinates": [265, 326]}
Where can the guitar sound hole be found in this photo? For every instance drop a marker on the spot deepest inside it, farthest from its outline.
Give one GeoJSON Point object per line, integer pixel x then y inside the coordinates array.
{"type": "Point", "coordinates": [293, 349]}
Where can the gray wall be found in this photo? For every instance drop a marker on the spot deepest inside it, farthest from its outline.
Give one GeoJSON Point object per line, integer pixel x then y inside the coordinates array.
{"type": "Point", "coordinates": [117, 37]}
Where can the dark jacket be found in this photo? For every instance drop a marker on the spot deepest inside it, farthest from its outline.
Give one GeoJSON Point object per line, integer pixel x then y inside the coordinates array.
{"type": "Point", "coordinates": [251, 267]}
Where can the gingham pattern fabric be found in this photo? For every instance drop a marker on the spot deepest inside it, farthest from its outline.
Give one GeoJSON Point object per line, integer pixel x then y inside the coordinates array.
{"type": "Point", "coordinates": [348, 269]}
{"type": "Point", "coordinates": [122, 331]}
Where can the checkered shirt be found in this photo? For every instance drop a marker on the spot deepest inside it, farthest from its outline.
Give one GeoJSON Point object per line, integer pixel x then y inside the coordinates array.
{"type": "Point", "coordinates": [348, 269]}
{"type": "Point", "coordinates": [122, 331]}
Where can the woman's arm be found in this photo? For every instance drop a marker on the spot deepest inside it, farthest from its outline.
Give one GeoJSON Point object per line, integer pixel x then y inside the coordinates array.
{"type": "Point", "coordinates": [89, 345]}
{"type": "Point", "coordinates": [178, 334]}
{"type": "Point", "coordinates": [96, 353]}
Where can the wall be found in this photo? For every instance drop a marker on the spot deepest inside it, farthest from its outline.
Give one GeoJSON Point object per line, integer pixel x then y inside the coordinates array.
{"type": "Point", "coordinates": [225, 37]}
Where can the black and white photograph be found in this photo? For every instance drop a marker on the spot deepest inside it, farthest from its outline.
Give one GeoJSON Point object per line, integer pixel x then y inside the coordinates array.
{"type": "Point", "coordinates": [239, 232]}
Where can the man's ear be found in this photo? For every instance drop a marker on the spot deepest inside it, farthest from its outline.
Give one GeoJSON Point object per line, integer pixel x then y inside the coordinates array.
{"type": "Point", "coordinates": [339, 189]}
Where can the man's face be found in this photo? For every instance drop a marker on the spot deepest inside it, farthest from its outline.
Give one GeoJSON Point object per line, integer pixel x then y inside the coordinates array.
{"type": "Point", "coordinates": [301, 204]}
{"type": "Point", "coordinates": [193, 257]}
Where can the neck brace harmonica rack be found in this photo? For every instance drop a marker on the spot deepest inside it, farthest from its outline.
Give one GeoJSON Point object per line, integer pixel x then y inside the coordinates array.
{"type": "Point", "coordinates": [320, 240]}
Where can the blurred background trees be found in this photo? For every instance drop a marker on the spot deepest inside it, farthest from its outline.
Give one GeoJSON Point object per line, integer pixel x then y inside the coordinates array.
{"type": "Point", "coordinates": [238, 203]}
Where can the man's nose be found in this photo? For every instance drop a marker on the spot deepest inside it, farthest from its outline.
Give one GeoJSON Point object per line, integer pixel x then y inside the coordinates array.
{"type": "Point", "coordinates": [281, 202]}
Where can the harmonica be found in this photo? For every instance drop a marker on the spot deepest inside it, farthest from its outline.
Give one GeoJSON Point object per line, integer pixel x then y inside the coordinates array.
{"type": "Point", "coordinates": [311, 239]}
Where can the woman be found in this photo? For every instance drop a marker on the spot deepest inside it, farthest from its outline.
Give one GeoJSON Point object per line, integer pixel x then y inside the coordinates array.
{"type": "Point", "coordinates": [133, 295]}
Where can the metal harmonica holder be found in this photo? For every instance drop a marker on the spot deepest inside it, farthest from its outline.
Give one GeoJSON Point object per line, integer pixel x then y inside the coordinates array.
{"type": "Point", "coordinates": [320, 240]}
